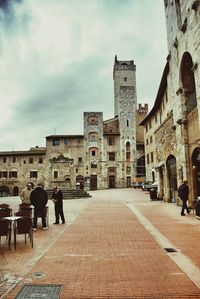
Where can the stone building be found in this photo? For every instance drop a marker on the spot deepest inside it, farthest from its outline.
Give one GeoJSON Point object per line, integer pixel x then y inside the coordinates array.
{"type": "Point", "coordinates": [172, 127]}
{"type": "Point", "coordinates": [110, 154]}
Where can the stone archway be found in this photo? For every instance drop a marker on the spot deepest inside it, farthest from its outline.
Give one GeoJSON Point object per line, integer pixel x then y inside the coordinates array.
{"type": "Point", "coordinates": [196, 171]}
{"type": "Point", "coordinates": [172, 177]}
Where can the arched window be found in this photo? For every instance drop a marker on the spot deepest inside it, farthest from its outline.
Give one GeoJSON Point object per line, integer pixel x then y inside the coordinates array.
{"type": "Point", "coordinates": [188, 82]}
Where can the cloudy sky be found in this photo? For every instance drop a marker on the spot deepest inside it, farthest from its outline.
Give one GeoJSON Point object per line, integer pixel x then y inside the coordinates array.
{"type": "Point", "coordinates": [56, 61]}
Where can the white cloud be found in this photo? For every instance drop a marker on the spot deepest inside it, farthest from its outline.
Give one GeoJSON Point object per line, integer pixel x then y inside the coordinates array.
{"type": "Point", "coordinates": [56, 60]}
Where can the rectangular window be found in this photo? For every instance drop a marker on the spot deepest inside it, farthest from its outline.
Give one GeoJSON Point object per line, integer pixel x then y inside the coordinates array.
{"type": "Point", "coordinates": [3, 174]}
{"type": "Point", "coordinates": [93, 153]}
{"type": "Point", "coordinates": [33, 174]}
{"type": "Point", "coordinates": [40, 160]}
{"type": "Point", "coordinates": [24, 161]}
{"type": "Point", "coordinates": [147, 158]}
{"type": "Point", "coordinates": [13, 174]}
{"type": "Point", "coordinates": [56, 142]}
{"type": "Point", "coordinates": [147, 141]}
{"type": "Point", "coordinates": [150, 124]}
{"type": "Point", "coordinates": [146, 127]}
{"type": "Point", "coordinates": [152, 157]}
{"type": "Point", "coordinates": [14, 159]}
{"type": "Point", "coordinates": [55, 174]}
{"type": "Point", "coordinates": [30, 160]}
{"type": "Point", "coordinates": [128, 169]}
{"type": "Point", "coordinates": [4, 159]}
{"type": "Point", "coordinates": [93, 165]}
{"type": "Point", "coordinates": [66, 141]}
{"type": "Point", "coordinates": [111, 156]}
{"type": "Point", "coordinates": [128, 156]}
{"type": "Point", "coordinates": [111, 140]}
{"type": "Point", "coordinates": [151, 139]}
{"type": "Point", "coordinates": [80, 160]}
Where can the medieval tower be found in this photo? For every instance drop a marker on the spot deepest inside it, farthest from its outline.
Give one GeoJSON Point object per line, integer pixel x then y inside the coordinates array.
{"type": "Point", "coordinates": [125, 108]}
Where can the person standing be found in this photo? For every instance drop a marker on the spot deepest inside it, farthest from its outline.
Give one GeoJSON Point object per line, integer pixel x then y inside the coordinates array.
{"type": "Point", "coordinates": [57, 198]}
{"type": "Point", "coordinates": [25, 194]}
{"type": "Point", "coordinates": [183, 193]}
{"type": "Point", "coordinates": [39, 199]}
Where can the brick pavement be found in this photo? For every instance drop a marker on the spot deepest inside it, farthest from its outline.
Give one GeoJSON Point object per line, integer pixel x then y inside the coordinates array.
{"type": "Point", "coordinates": [107, 253]}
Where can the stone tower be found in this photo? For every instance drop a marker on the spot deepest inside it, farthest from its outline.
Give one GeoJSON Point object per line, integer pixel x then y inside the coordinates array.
{"type": "Point", "coordinates": [93, 134]}
{"type": "Point", "coordinates": [125, 108]}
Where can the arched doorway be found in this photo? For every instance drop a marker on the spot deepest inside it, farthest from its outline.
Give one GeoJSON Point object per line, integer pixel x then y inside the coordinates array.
{"type": "Point", "coordinates": [68, 183]}
{"type": "Point", "coordinates": [172, 177]}
{"type": "Point", "coordinates": [80, 182]}
{"type": "Point", "coordinates": [111, 177]}
{"type": "Point", "coordinates": [15, 191]}
{"type": "Point", "coordinates": [4, 191]}
{"type": "Point", "coordinates": [196, 171]}
{"type": "Point", "coordinates": [128, 181]}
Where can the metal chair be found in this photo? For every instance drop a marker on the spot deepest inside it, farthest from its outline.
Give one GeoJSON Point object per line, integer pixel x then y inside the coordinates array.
{"type": "Point", "coordinates": [23, 226]}
{"type": "Point", "coordinates": [5, 230]}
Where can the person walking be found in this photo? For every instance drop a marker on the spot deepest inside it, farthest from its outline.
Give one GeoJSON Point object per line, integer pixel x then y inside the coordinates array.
{"type": "Point", "coordinates": [183, 193]}
{"type": "Point", "coordinates": [57, 198]}
{"type": "Point", "coordinates": [39, 199]}
{"type": "Point", "coordinates": [25, 194]}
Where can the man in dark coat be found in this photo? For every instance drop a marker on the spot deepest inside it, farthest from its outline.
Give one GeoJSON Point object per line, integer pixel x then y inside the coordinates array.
{"type": "Point", "coordinates": [183, 193]}
{"type": "Point", "coordinates": [57, 198]}
{"type": "Point", "coordinates": [39, 199]}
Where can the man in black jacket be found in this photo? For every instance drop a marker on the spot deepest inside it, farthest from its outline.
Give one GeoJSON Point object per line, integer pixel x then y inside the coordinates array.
{"type": "Point", "coordinates": [39, 199]}
{"type": "Point", "coordinates": [57, 198]}
{"type": "Point", "coordinates": [183, 193]}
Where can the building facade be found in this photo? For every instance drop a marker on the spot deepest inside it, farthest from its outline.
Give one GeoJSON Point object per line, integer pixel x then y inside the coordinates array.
{"type": "Point", "coordinates": [110, 153]}
{"type": "Point", "coordinates": [173, 124]}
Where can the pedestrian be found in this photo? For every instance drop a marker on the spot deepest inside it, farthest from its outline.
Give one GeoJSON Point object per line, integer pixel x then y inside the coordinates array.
{"type": "Point", "coordinates": [25, 194]}
{"type": "Point", "coordinates": [183, 193]}
{"type": "Point", "coordinates": [57, 198]}
{"type": "Point", "coordinates": [39, 199]}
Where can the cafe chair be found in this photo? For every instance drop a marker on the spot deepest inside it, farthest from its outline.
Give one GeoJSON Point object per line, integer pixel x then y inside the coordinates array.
{"type": "Point", "coordinates": [4, 206]}
{"type": "Point", "coordinates": [5, 230]}
{"type": "Point", "coordinates": [5, 212]}
{"type": "Point", "coordinates": [23, 226]}
{"type": "Point", "coordinates": [23, 213]}
{"type": "Point", "coordinates": [25, 207]}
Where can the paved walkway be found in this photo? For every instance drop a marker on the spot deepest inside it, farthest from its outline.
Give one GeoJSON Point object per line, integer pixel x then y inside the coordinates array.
{"type": "Point", "coordinates": [112, 247]}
